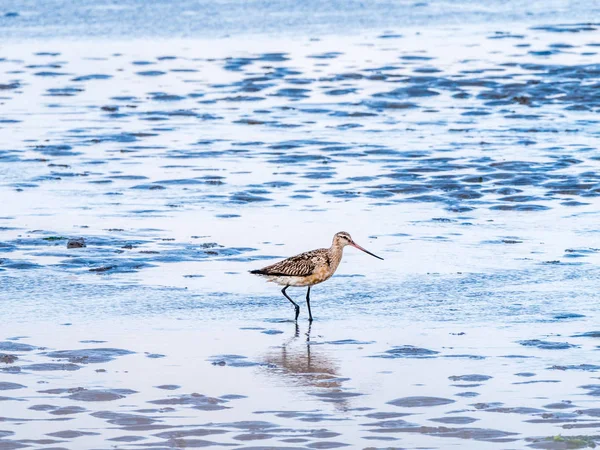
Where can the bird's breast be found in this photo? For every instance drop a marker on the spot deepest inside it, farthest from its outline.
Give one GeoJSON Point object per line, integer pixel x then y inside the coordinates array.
{"type": "Point", "coordinates": [319, 275]}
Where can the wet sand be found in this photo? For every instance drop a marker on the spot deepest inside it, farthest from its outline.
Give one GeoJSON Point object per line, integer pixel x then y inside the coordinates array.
{"type": "Point", "coordinates": [177, 384]}
{"type": "Point", "coordinates": [141, 180]}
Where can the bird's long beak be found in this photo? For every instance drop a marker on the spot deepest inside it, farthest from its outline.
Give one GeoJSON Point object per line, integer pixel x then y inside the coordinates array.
{"type": "Point", "coordinates": [354, 244]}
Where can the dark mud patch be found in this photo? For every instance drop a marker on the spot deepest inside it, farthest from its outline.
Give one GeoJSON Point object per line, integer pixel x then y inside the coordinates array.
{"type": "Point", "coordinates": [71, 434]}
{"type": "Point", "coordinates": [305, 416]}
{"type": "Point", "coordinates": [127, 438]}
{"type": "Point", "coordinates": [91, 395]}
{"type": "Point", "coordinates": [386, 415]}
{"type": "Point", "coordinates": [124, 419]}
{"type": "Point", "coordinates": [7, 386]}
{"type": "Point", "coordinates": [473, 357]}
{"type": "Point", "coordinates": [565, 316]}
{"type": "Point", "coordinates": [327, 445]}
{"type": "Point", "coordinates": [7, 358]}
{"type": "Point", "coordinates": [420, 402]}
{"type": "Point", "coordinates": [349, 342]}
{"type": "Point", "coordinates": [477, 434]}
{"type": "Point", "coordinates": [591, 334]}
{"type": "Point", "coordinates": [566, 404]}
{"type": "Point", "coordinates": [537, 381]}
{"type": "Point", "coordinates": [455, 420]}
{"type": "Point", "coordinates": [196, 401]}
{"type": "Point", "coordinates": [593, 389]}
{"type": "Point", "coordinates": [335, 395]}
{"type": "Point", "coordinates": [470, 377]}
{"type": "Point", "coordinates": [583, 367]}
{"type": "Point", "coordinates": [467, 394]}
{"type": "Point", "coordinates": [58, 410]}
{"type": "Point", "coordinates": [168, 387]}
{"type": "Point", "coordinates": [547, 345]}
{"type": "Point", "coordinates": [247, 425]}
{"type": "Point", "coordinates": [88, 356]}
{"type": "Point", "coordinates": [559, 442]}
{"type": "Point", "coordinates": [50, 367]}
{"type": "Point", "coordinates": [76, 243]}
{"type": "Point", "coordinates": [407, 351]}
{"type": "Point", "coordinates": [9, 346]}
{"type": "Point", "coordinates": [232, 361]}
{"type": "Point", "coordinates": [195, 432]}
{"type": "Point", "coordinates": [514, 410]}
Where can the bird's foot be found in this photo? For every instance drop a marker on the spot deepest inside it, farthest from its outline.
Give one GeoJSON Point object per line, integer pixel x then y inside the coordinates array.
{"type": "Point", "coordinates": [297, 312]}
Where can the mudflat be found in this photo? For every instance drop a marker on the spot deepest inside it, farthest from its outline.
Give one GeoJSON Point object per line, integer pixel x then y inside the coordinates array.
{"type": "Point", "coordinates": [141, 179]}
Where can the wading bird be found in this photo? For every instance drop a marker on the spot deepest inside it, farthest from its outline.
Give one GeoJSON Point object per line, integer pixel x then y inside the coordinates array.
{"type": "Point", "coordinates": [309, 268]}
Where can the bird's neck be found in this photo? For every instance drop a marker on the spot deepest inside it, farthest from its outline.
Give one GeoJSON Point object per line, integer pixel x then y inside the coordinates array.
{"type": "Point", "coordinates": [335, 255]}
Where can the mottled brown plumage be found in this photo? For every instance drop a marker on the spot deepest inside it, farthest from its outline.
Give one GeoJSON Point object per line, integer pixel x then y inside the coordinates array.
{"type": "Point", "coordinates": [298, 266]}
{"type": "Point", "coordinates": [303, 269]}
{"type": "Point", "coordinates": [309, 268]}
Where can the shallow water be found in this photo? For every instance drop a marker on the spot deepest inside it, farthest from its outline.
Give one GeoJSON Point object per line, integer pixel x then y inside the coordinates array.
{"type": "Point", "coordinates": [27, 19]}
{"type": "Point", "coordinates": [185, 384]}
{"type": "Point", "coordinates": [141, 180]}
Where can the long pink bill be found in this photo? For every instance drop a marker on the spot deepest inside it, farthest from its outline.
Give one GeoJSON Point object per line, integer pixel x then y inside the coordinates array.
{"type": "Point", "coordinates": [354, 244]}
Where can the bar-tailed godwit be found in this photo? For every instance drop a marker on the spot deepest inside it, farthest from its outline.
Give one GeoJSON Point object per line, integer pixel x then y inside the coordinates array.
{"type": "Point", "coordinates": [309, 268]}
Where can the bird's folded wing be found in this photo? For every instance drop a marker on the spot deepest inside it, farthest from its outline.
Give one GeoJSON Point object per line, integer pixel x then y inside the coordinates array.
{"type": "Point", "coordinates": [297, 266]}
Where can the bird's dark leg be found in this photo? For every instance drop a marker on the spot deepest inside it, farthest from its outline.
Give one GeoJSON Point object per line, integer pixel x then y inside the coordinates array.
{"type": "Point", "coordinates": [310, 319]}
{"type": "Point", "coordinates": [293, 302]}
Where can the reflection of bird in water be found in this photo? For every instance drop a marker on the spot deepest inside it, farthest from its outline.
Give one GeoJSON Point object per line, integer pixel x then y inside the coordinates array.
{"type": "Point", "coordinates": [309, 268]}
{"type": "Point", "coordinates": [307, 366]}
{"type": "Point", "coordinates": [301, 361]}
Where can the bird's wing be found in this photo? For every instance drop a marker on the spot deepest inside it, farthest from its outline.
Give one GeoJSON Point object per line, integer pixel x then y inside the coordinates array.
{"type": "Point", "coordinates": [300, 265]}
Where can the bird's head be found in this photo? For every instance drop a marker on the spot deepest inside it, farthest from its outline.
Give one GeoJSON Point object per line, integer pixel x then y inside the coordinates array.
{"type": "Point", "coordinates": [343, 238]}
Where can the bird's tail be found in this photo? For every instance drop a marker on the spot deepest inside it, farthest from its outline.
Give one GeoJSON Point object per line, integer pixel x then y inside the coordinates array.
{"type": "Point", "coordinates": [258, 272]}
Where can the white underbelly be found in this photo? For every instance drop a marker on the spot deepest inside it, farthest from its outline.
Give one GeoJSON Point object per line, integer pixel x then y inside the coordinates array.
{"type": "Point", "coordinates": [289, 281]}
